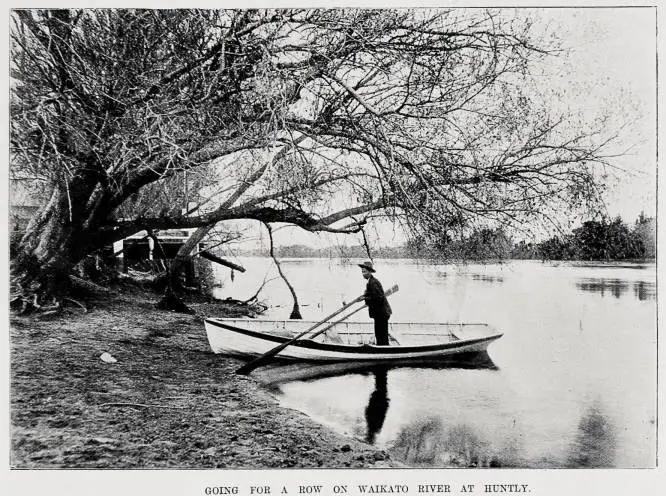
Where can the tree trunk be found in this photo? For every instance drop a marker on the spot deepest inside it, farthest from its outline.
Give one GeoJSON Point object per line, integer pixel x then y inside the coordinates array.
{"type": "Point", "coordinates": [184, 253]}
{"type": "Point", "coordinates": [46, 254]}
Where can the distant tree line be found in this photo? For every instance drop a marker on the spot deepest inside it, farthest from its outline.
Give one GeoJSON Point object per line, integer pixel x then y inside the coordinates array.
{"type": "Point", "coordinates": [606, 239]}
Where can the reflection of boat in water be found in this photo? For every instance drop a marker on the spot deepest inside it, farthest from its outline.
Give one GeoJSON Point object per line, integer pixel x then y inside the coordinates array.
{"type": "Point", "coordinates": [280, 373]}
{"type": "Point", "coordinates": [347, 341]}
{"type": "Point", "coordinates": [275, 375]}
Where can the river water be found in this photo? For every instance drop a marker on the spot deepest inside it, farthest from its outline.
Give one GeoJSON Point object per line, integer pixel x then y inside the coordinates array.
{"type": "Point", "coordinates": [571, 384]}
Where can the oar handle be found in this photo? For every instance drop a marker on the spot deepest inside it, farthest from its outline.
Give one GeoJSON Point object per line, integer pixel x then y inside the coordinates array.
{"type": "Point", "coordinates": [388, 292]}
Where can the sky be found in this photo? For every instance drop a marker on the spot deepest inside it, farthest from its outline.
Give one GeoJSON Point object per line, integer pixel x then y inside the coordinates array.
{"type": "Point", "coordinates": [611, 64]}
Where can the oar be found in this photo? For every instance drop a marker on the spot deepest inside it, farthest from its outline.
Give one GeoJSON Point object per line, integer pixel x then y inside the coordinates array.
{"type": "Point", "coordinates": [250, 366]}
{"type": "Point", "coordinates": [341, 320]}
{"type": "Point", "coordinates": [389, 292]}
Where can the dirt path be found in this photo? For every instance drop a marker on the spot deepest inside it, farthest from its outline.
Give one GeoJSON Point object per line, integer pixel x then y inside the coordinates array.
{"type": "Point", "coordinates": [167, 402]}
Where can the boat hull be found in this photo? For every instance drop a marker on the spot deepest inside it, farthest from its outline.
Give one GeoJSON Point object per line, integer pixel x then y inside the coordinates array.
{"type": "Point", "coordinates": [232, 337]}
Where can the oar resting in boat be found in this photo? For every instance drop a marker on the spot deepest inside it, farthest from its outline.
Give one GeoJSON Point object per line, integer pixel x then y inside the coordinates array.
{"type": "Point", "coordinates": [250, 366]}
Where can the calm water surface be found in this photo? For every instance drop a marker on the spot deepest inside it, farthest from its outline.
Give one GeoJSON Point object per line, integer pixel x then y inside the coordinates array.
{"type": "Point", "coordinates": [572, 383]}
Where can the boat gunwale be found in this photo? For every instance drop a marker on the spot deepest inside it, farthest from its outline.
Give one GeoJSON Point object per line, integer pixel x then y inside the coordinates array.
{"type": "Point", "coordinates": [354, 349]}
{"type": "Point", "coordinates": [286, 321]}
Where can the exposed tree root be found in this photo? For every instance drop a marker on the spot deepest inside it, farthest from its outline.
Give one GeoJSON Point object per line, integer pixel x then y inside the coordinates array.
{"type": "Point", "coordinates": [48, 313]}
{"type": "Point", "coordinates": [76, 302]}
{"type": "Point", "coordinates": [35, 304]}
{"type": "Point", "coordinates": [31, 304]}
{"type": "Point", "coordinates": [35, 299]}
{"type": "Point", "coordinates": [142, 405]}
{"type": "Point", "coordinates": [88, 286]}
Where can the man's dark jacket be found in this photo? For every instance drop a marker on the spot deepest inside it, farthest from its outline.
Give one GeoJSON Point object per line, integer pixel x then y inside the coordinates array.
{"type": "Point", "coordinates": [378, 305]}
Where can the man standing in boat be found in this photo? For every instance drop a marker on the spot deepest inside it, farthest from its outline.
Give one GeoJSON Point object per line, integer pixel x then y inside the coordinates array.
{"type": "Point", "coordinates": [378, 305]}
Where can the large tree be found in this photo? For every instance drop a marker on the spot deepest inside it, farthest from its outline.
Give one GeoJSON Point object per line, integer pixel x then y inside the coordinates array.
{"type": "Point", "coordinates": [318, 118]}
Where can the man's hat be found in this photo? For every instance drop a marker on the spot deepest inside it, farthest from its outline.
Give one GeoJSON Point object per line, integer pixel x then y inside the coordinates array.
{"type": "Point", "coordinates": [367, 265]}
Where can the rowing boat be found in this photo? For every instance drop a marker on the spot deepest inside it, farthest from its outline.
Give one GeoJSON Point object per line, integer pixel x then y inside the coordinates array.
{"type": "Point", "coordinates": [347, 341]}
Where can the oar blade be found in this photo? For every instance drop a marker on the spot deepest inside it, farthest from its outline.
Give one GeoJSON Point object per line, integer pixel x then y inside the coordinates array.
{"type": "Point", "coordinates": [258, 362]}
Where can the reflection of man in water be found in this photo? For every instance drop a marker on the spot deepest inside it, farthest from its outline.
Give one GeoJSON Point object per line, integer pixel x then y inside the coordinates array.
{"type": "Point", "coordinates": [378, 306]}
{"type": "Point", "coordinates": [375, 412]}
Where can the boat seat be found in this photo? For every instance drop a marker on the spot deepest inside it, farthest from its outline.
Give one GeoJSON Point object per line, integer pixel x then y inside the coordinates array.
{"type": "Point", "coordinates": [332, 337]}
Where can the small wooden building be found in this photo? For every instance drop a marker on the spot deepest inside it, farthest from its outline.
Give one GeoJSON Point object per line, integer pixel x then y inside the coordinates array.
{"type": "Point", "coordinates": [140, 246]}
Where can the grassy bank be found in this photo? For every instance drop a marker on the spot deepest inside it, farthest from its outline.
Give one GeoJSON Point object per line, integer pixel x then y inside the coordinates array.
{"type": "Point", "coordinates": [167, 402]}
